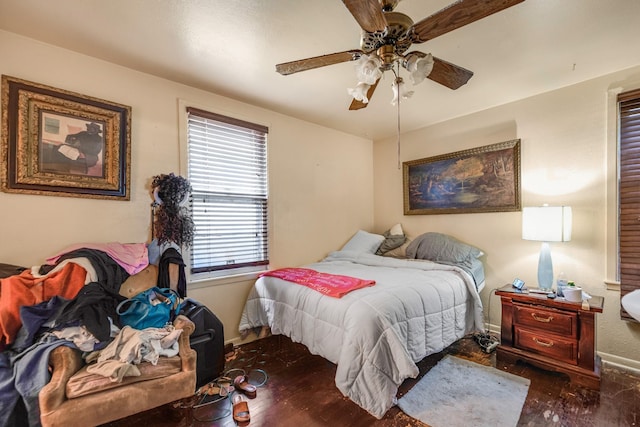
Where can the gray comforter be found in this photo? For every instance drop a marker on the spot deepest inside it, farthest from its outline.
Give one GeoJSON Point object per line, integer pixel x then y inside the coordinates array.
{"type": "Point", "coordinates": [374, 335]}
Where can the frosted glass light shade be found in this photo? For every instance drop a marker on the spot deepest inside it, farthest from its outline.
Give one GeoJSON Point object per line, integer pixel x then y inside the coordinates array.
{"type": "Point", "coordinates": [400, 91]}
{"type": "Point", "coordinates": [419, 67]}
{"type": "Point", "coordinates": [359, 93]}
{"type": "Point", "coordinates": [368, 69]}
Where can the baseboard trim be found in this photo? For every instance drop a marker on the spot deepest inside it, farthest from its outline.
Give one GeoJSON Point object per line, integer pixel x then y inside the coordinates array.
{"type": "Point", "coordinates": [239, 341]}
{"type": "Point", "coordinates": [494, 329]}
{"type": "Point", "coordinates": [620, 362]}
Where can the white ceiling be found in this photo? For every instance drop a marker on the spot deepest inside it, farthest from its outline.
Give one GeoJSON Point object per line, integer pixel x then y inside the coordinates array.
{"type": "Point", "coordinates": [231, 48]}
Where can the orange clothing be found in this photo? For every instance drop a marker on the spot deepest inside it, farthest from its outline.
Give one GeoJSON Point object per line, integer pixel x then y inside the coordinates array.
{"type": "Point", "coordinates": [24, 289]}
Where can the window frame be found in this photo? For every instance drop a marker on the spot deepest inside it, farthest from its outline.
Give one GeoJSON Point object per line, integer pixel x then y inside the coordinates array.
{"type": "Point", "coordinates": [612, 259]}
{"type": "Point", "coordinates": [223, 276]}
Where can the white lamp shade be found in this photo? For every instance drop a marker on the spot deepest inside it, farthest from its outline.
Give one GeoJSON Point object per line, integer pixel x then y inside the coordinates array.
{"type": "Point", "coordinates": [547, 223]}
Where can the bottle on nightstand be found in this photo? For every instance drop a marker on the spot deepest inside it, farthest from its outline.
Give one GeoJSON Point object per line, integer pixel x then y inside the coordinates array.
{"type": "Point", "coordinates": [561, 283]}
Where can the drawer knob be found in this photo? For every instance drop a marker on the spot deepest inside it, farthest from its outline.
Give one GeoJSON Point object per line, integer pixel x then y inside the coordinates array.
{"type": "Point", "coordinates": [543, 343]}
{"type": "Point", "coordinates": [542, 319]}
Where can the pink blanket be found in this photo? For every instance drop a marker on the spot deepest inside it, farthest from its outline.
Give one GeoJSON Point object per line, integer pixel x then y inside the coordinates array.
{"type": "Point", "coordinates": [333, 285]}
{"type": "Point", "coordinates": [133, 257]}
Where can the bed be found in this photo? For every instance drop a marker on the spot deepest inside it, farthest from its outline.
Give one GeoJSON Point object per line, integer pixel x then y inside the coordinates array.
{"type": "Point", "coordinates": [376, 335]}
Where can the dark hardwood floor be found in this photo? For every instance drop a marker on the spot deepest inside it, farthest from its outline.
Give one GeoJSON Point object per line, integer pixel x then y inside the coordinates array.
{"type": "Point", "coordinates": [300, 391]}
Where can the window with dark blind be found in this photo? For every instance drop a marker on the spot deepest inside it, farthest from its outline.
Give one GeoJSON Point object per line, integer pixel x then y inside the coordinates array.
{"type": "Point", "coordinates": [629, 193]}
{"type": "Point", "coordinates": [227, 160]}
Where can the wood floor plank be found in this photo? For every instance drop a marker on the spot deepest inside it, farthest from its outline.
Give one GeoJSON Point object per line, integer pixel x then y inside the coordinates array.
{"type": "Point", "coordinates": [300, 392]}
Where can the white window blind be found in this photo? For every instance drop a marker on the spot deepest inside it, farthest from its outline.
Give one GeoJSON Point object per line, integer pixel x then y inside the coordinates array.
{"type": "Point", "coordinates": [228, 174]}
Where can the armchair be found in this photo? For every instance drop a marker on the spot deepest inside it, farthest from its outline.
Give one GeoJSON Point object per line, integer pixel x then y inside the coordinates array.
{"type": "Point", "coordinates": [76, 397]}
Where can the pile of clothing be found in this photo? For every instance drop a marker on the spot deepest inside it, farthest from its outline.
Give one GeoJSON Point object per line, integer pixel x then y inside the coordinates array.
{"type": "Point", "coordinates": [71, 300]}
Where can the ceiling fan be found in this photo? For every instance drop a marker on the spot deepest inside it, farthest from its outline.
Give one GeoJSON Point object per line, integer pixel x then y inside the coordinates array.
{"type": "Point", "coordinates": [387, 35]}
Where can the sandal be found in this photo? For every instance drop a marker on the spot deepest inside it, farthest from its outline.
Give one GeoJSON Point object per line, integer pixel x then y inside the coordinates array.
{"type": "Point", "coordinates": [241, 384]}
{"type": "Point", "coordinates": [221, 386]}
{"type": "Point", "coordinates": [226, 385]}
{"type": "Point", "coordinates": [208, 390]}
{"type": "Point", "coordinates": [240, 409]}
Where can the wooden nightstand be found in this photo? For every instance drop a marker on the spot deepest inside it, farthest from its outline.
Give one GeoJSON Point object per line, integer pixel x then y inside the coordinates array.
{"type": "Point", "coordinates": [553, 334]}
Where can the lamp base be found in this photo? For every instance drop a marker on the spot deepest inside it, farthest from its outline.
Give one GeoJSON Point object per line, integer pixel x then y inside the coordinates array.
{"type": "Point", "coordinates": [545, 268]}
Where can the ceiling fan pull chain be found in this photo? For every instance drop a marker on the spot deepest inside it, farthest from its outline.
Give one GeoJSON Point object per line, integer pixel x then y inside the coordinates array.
{"type": "Point", "coordinates": [398, 135]}
{"type": "Point", "coordinates": [397, 83]}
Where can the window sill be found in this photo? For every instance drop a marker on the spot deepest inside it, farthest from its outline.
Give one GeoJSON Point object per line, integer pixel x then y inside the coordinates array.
{"type": "Point", "coordinates": [204, 282]}
{"type": "Point", "coordinates": [612, 285]}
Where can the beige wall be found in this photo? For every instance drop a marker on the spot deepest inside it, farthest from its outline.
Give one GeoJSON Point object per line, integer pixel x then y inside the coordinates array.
{"type": "Point", "coordinates": [320, 180]}
{"type": "Point", "coordinates": [564, 162]}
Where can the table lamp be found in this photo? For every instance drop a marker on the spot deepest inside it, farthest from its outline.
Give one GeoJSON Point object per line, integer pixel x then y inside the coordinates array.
{"type": "Point", "coordinates": [546, 224]}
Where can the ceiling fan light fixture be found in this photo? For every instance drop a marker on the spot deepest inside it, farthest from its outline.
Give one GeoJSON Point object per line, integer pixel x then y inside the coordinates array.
{"type": "Point", "coordinates": [420, 68]}
{"type": "Point", "coordinates": [400, 91]}
{"type": "Point", "coordinates": [368, 69]}
{"type": "Point", "coordinates": [389, 5]}
{"type": "Point", "coordinates": [385, 38]}
{"type": "Point", "coordinates": [359, 93]}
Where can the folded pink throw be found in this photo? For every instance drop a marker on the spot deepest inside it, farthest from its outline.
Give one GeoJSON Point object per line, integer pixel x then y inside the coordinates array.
{"type": "Point", "coordinates": [333, 285]}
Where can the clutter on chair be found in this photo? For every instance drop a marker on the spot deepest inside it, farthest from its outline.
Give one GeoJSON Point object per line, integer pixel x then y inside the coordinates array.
{"type": "Point", "coordinates": [75, 397]}
{"type": "Point", "coordinates": [55, 316]}
{"type": "Point", "coordinates": [86, 291]}
{"type": "Point", "coordinates": [7, 270]}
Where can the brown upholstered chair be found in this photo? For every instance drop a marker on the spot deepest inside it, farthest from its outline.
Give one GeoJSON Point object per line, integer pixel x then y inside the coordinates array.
{"type": "Point", "coordinates": [75, 397]}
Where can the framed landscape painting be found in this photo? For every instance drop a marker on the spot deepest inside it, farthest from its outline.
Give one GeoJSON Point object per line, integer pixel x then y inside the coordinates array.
{"type": "Point", "coordinates": [57, 142]}
{"type": "Point", "coordinates": [483, 179]}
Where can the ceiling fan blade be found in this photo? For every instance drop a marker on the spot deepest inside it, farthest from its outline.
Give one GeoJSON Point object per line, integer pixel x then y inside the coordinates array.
{"type": "Point", "coordinates": [357, 105]}
{"type": "Point", "coordinates": [287, 68]}
{"type": "Point", "coordinates": [456, 15]}
{"type": "Point", "coordinates": [448, 74]}
{"type": "Point", "coordinates": [368, 14]}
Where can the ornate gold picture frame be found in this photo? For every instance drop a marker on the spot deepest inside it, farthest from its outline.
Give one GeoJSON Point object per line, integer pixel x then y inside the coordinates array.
{"type": "Point", "coordinates": [60, 143]}
{"type": "Point", "coordinates": [483, 179]}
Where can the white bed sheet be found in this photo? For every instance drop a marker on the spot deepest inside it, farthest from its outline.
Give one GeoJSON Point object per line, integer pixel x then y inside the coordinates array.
{"type": "Point", "coordinates": [374, 335]}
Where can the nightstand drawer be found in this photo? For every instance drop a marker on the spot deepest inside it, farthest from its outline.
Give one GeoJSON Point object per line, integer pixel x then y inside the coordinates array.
{"type": "Point", "coordinates": [547, 320]}
{"type": "Point", "coordinates": [565, 350]}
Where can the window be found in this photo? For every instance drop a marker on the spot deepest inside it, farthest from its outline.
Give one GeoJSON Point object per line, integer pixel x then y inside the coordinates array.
{"type": "Point", "coordinates": [227, 167]}
{"type": "Point", "coordinates": [629, 193]}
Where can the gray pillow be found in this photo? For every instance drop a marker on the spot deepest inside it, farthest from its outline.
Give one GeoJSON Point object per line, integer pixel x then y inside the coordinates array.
{"type": "Point", "coordinates": [391, 241]}
{"type": "Point", "coordinates": [441, 248]}
{"type": "Point", "coordinates": [401, 251]}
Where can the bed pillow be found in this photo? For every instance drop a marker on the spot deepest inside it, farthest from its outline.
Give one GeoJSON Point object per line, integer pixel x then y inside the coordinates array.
{"type": "Point", "coordinates": [393, 238]}
{"type": "Point", "coordinates": [364, 242]}
{"type": "Point", "coordinates": [396, 230]}
{"type": "Point", "coordinates": [440, 247]}
{"type": "Point", "coordinates": [400, 251]}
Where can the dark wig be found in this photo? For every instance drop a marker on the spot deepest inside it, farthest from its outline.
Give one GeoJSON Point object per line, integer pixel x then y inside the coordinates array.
{"type": "Point", "coordinates": [172, 222]}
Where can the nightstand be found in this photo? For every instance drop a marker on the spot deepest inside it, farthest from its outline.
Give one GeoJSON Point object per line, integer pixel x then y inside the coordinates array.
{"type": "Point", "coordinates": [552, 334]}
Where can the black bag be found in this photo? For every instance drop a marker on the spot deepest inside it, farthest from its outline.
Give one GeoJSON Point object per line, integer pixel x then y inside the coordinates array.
{"type": "Point", "coordinates": [207, 341]}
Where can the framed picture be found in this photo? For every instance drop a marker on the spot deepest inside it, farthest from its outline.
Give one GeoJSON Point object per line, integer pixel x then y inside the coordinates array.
{"type": "Point", "coordinates": [484, 179]}
{"type": "Point", "coordinates": [56, 142]}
